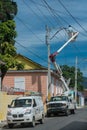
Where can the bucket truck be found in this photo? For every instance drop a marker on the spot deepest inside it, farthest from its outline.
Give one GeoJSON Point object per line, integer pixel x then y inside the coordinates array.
{"type": "Point", "coordinates": [62, 103]}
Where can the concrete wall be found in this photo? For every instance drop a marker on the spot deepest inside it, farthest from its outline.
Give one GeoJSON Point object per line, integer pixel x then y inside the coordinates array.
{"type": "Point", "coordinates": [4, 101]}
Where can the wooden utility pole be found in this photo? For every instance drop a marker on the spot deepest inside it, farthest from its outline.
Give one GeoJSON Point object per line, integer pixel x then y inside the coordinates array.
{"type": "Point", "coordinates": [48, 47]}
{"type": "Point", "coordinates": [76, 79]}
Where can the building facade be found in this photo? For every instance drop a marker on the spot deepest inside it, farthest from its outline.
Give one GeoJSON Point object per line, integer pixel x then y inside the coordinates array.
{"type": "Point", "coordinates": [34, 77]}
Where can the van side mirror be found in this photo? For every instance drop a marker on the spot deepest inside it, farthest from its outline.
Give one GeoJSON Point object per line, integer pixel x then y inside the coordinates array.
{"type": "Point", "coordinates": [9, 106]}
{"type": "Point", "coordinates": [34, 105]}
{"type": "Point", "coordinates": [70, 100]}
{"type": "Point", "coordinates": [46, 101]}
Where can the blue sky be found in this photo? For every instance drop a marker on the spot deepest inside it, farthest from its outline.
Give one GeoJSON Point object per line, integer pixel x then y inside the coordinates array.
{"type": "Point", "coordinates": [34, 15]}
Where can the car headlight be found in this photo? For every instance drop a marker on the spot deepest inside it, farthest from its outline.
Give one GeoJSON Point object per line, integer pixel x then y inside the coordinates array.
{"type": "Point", "coordinates": [27, 112]}
{"type": "Point", "coordinates": [9, 113]}
{"type": "Point", "coordinates": [48, 106]}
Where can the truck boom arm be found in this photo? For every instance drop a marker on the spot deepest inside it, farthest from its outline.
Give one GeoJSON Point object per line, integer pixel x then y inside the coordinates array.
{"type": "Point", "coordinates": [52, 56]}
{"type": "Point", "coordinates": [57, 67]}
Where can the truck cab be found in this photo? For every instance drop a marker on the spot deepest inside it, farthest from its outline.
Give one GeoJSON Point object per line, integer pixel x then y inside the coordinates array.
{"type": "Point", "coordinates": [60, 104]}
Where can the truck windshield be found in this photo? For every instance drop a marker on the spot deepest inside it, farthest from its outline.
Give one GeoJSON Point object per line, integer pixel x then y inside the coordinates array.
{"type": "Point", "coordinates": [58, 98]}
{"type": "Point", "coordinates": [21, 103]}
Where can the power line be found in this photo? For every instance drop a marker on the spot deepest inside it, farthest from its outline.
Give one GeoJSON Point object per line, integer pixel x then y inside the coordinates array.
{"type": "Point", "coordinates": [50, 10]}
{"type": "Point", "coordinates": [29, 29]}
{"type": "Point", "coordinates": [72, 16]}
{"type": "Point", "coordinates": [36, 13]}
{"type": "Point", "coordinates": [31, 51]}
{"type": "Point", "coordinates": [52, 13]}
{"type": "Point", "coordinates": [44, 16]}
{"type": "Point", "coordinates": [29, 7]}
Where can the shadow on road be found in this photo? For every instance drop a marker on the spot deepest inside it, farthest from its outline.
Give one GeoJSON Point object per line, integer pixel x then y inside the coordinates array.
{"type": "Point", "coordinates": [76, 125]}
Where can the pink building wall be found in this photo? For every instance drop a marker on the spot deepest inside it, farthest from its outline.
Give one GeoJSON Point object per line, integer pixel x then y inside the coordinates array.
{"type": "Point", "coordinates": [34, 81]}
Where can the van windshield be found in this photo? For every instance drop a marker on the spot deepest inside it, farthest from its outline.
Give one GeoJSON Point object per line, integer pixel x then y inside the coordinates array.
{"type": "Point", "coordinates": [21, 103]}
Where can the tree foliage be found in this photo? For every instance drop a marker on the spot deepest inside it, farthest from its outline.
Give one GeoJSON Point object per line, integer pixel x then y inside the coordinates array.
{"type": "Point", "coordinates": [69, 72]}
{"type": "Point", "coordinates": [8, 10]}
{"type": "Point", "coordinates": [7, 48]}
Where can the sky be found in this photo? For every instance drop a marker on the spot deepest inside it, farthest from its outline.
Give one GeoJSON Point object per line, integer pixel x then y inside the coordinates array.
{"type": "Point", "coordinates": [31, 20]}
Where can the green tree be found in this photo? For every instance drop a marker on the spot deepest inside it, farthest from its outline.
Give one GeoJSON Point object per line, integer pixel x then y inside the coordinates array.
{"type": "Point", "coordinates": [8, 10]}
{"type": "Point", "coordinates": [69, 72]}
{"type": "Point", "coordinates": [7, 48]}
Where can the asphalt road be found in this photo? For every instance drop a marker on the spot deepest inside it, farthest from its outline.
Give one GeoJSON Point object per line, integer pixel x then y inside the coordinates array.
{"type": "Point", "coordinates": [77, 121]}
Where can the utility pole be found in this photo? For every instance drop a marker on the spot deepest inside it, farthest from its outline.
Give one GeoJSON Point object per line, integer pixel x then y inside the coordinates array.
{"type": "Point", "coordinates": [76, 79]}
{"type": "Point", "coordinates": [48, 47]}
{"type": "Point", "coordinates": [72, 37]}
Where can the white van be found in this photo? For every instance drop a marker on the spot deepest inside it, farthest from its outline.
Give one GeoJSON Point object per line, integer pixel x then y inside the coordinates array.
{"type": "Point", "coordinates": [26, 109]}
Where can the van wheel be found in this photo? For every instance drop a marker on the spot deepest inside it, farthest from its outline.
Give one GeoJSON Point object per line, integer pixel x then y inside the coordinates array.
{"type": "Point", "coordinates": [33, 122]}
{"type": "Point", "coordinates": [42, 120]}
{"type": "Point", "coordinates": [10, 125]}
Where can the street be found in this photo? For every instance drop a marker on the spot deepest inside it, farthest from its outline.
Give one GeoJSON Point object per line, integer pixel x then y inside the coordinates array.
{"type": "Point", "coordinates": [76, 121]}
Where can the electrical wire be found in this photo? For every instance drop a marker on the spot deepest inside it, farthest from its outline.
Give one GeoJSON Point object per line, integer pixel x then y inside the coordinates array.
{"type": "Point", "coordinates": [29, 29]}
{"type": "Point", "coordinates": [30, 9]}
{"type": "Point", "coordinates": [72, 16]}
{"type": "Point", "coordinates": [42, 13]}
{"type": "Point", "coordinates": [30, 51]}
{"type": "Point", "coordinates": [51, 11]}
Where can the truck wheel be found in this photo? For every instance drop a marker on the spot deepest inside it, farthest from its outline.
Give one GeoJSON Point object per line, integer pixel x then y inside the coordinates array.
{"type": "Point", "coordinates": [67, 112]}
{"type": "Point", "coordinates": [33, 122]}
{"type": "Point", "coordinates": [42, 120]}
{"type": "Point", "coordinates": [10, 125]}
{"type": "Point", "coordinates": [48, 115]}
{"type": "Point", "coordinates": [72, 111]}
{"type": "Point", "coordinates": [22, 124]}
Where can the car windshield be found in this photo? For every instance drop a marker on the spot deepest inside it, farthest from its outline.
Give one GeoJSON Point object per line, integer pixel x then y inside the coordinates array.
{"type": "Point", "coordinates": [58, 98]}
{"type": "Point", "coordinates": [21, 103]}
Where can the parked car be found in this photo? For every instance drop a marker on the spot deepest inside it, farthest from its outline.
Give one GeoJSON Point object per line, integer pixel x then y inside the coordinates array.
{"type": "Point", "coordinates": [26, 109]}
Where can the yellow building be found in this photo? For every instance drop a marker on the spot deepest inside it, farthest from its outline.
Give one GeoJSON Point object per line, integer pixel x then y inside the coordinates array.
{"type": "Point", "coordinates": [28, 63]}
